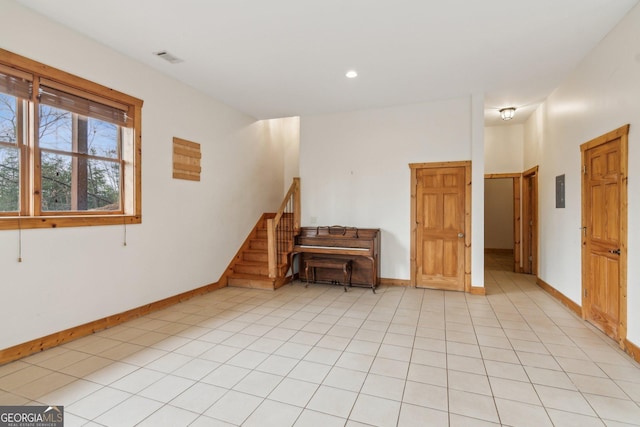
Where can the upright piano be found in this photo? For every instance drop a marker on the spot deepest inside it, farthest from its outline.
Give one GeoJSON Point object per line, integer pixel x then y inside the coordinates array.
{"type": "Point", "coordinates": [361, 246]}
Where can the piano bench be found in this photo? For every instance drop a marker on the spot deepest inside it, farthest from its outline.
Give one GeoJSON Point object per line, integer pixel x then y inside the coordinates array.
{"type": "Point", "coordinates": [342, 264]}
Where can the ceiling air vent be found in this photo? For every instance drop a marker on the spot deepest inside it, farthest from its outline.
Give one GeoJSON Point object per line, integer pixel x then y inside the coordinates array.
{"type": "Point", "coordinates": [168, 57]}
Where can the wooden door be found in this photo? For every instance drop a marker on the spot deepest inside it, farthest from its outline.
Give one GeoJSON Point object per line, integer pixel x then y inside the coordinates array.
{"type": "Point", "coordinates": [440, 228]}
{"type": "Point", "coordinates": [602, 241]}
{"type": "Point", "coordinates": [530, 221]}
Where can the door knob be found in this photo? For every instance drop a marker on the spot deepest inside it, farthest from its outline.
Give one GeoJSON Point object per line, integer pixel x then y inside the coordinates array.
{"type": "Point", "coordinates": [461, 235]}
{"type": "Point", "coordinates": [615, 251]}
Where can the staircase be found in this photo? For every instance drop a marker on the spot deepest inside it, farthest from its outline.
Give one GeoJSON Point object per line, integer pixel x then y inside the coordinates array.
{"type": "Point", "coordinates": [251, 266]}
{"type": "Point", "coordinates": [264, 260]}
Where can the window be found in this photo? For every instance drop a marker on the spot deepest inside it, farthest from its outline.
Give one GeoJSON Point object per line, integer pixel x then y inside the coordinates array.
{"type": "Point", "coordinates": [69, 149]}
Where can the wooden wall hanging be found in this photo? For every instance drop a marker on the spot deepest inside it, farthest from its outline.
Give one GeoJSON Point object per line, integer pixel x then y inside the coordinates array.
{"type": "Point", "coordinates": [186, 159]}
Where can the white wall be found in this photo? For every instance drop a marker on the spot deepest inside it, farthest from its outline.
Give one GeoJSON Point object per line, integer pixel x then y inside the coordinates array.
{"type": "Point", "coordinates": [189, 232]}
{"type": "Point", "coordinates": [503, 148]}
{"type": "Point", "coordinates": [285, 133]}
{"type": "Point", "coordinates": [354, 168]}
{"type": "Point", "coordinates": [602, 94]}
{"type": "Point", "coordinates": [498, 213]}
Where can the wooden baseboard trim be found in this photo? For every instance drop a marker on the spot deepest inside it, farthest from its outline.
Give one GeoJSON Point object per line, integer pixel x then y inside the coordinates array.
{"type": "Point", "coordinates": [25, 349]}
{"type": "Point", "coordinates": [478, 290]}
{"type": "Point", "coordinates": [394, 282]}
{"type": "Point", "coordinates": [632, 349]}
{"type": "Point", "coordinates": [559, 296]}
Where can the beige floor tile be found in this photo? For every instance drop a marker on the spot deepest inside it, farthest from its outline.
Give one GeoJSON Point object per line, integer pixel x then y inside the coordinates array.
{"type": "Point", "coordinates": [382, 386]}
{"type": "Point", "coordinates": [220, 353]}
{"type": "Point", "coordinates": [294, 392]}
{"type": "Point", "coordinates": [597, 385]}
{"type": "Point", "coordinates": [69, 393]}
{"type": "Point", "coordinates": [368, 348]}
{"type": "Point", "coordinates": [570, 419]}
{"type": "Point", "coordinates": [418, 416]}
{"type": "Point", "coordinates": [234, 407]}
{"type": "Point", "coordinates": [456, 420]}
{"type": "Point", "coordinates": [426, 395]}
{"type": "Point", "coordinates": [462, 349]}
{"type": "Point", "coordinates": [427, 374]}
{"type": "Point", "coordinates": [111, 373]}
{"type": "Point", "coordinates": [375, 411]}
{"type": "Point", "coordinates": [394, 352]}
{"type": "Point", "coordinates": [333, 342]}
{"type": "Point", "coordinates": [625, 372]}
{"type": "Point", "coordinates": [273, 414]}
{"type": "Point", "coordinates": [166, 388]}
{"type": "Point", "coordinates": [564, 400]}
{"type": "Point", "coordinates": [198, 398]}
{"type": "Point", "coordinates": [325, 356]}
{"type": "Point", "coordinates": [310, 371]}
{"type": "Point", "coordinates": [97, 403]}
{"type": "Point", "coordinates": [522, 414]}
{"type": "Point", "coordinates": [144, 356]}
{"type": "Point", "coordinates": [389, 368]}
{"type": "Point", "coordinates": [194, 348]}
{"type": "Point", "coordinates": [466, 364]}
{"type": "Point", "coordinates": [138, 380]}
{"type": "Point", "coordinates": [44, 385]}
{"type": "Point", "coordinates": [248, 359]}
{"type": "Point", "coordinates": [359, 362]}
{"type": "Point", "coordinates": [346, 379]}
{"type": "Point", "coordinates": [398, 339]}
{"type": "Point", "coordinates": [169, 416]}
{"type": "Point", "coordinates": [550, 378]}
{"type": "Point", "coordinates": [196, 369]}
{"type": "Point", "coordinates": [473, 405]}
{"type": "Point", "coordinates": [23, 376]}
{"type": "Point", "coordinates": [278, 365]}
{"type": "Point", "coordinates": [514, 390]}
{"type": "Point", "coordinates": [309, 418]}
{"type": "Point", "coordinates": [258, 383]}
{"type": "Point", "coordinates": [506, 370]}
{"type": "Point", "coordinates": [169, 362]}
{"type": "Point", "coordinates": [632, 389]}
{"type": "Point", "coordinates": [130, 412]}
{"type": "Point", "coordinates": [472, 383]}
{"type": "Point", "coordinates": [625, 411]}
{"type": "Point", "coordinates": [332, 401]}
{"type": "Point", "coordinates": [538, 360]}
{"type": "Point", "coordinates": [584, 367]}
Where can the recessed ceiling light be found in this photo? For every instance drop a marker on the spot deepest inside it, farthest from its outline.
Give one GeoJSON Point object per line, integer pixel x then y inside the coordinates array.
{"type": "Point", "coordinates": [351, 74]}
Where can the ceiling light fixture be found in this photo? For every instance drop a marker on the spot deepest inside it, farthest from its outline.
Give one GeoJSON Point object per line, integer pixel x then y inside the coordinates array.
{"type": "Point", "coordinates": [351, 74]}
{"type": "Point", "coordinates": [507, 113]}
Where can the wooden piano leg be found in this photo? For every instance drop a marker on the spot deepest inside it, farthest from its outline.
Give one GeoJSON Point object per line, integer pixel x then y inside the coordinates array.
{"type": "Point", "coordinates": [306, 273]}
{"type": "Point", "coordinates": [346, 270]}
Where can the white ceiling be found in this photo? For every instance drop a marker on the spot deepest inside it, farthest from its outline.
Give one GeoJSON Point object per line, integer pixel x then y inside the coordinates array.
{"type": "Point", "coordinates": [279, 58]}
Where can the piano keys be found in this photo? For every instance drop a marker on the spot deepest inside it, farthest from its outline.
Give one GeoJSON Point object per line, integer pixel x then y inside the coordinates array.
{"type": "Point", "coordinates": [360, 245]}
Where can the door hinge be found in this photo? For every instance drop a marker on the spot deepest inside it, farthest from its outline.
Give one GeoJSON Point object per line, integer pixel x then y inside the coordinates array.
{"type": "Point", "coordinates": [585, 293]}
{"type": "Point", "coordinates": [584, 169]}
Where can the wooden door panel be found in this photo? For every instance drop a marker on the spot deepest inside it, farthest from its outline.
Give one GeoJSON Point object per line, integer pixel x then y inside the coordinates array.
{"type": "Point", "coordinates": [440, 254]}
{"type": "Point", "coordinates": [602, 181]}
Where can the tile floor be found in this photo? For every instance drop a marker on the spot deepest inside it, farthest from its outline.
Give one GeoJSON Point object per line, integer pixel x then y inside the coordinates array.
{"type": "Point", "coordinates": [322, 357]}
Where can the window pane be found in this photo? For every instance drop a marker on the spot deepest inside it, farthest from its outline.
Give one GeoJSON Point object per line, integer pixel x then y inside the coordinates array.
{"type": "Point", "coordinates": [9, 179]}
{"type": "Point", "coordinates": [55, 128]}
{"type": "Point", "coordinates": [8, 123]}
{"type": "Point", "coordinates": [56, 182]}
{"type": "Point", "coordinates": [103, 139]}
{"type": "Point", "coordinates": [103, 185]}
{"type": "Point", "coordinates": [71, 183]}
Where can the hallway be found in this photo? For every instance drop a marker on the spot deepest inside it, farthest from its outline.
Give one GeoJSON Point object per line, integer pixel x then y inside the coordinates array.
{"type": "Point", "coordinates": [318, 356]}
